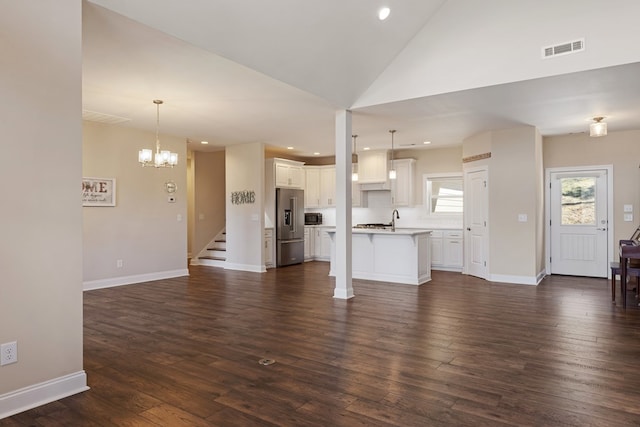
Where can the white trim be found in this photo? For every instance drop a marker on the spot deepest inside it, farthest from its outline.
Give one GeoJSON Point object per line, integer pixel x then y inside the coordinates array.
{"type": "Point", "coordinates": [547, 210]}
{"type": "Point", "coordinates": [516, 280]}
{"type": "Point", "coordinates": [42, 393]}
{"type": "Point", "coordinates": [128, 280]}
{"type": "Point", "coordinates": [245, 267]}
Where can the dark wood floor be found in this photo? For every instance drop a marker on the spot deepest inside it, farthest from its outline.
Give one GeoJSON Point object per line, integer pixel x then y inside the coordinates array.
{"type": "Point", "coordinates": [457, 351]}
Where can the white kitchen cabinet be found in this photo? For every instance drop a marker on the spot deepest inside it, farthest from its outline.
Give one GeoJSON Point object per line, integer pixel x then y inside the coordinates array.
{"type": "Point", "coordinates": [289, 173]}
{"type": "Point", "coordinates": [268, 247]}
{"type": "Point", "coordinates": [320, 186]}
{"type": "Point", "coordinates": [372, 167]}
{"type": "Point", "coordinates": [437, 254]}
{"type": "Point", "coordinates": [446, 250]}
{"type": "Point", "coordinates": [328, 186]}
{"type": "Point", "coordinates": [356, 194]}
{"type": "Point", "coordinates": [402, 186]}
{"type": "Point", "coordinates": [312, 187]}
{"type": "Point", "coordinates": [309, 247]}
{"type": "Point", "coordinates": [452, 249]}
{"type": "Point", "coordinates": [322, 244]}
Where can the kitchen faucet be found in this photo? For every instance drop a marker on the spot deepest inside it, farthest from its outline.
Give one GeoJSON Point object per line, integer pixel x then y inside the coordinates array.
{"type": "Point", "coordinates": [394, 215]}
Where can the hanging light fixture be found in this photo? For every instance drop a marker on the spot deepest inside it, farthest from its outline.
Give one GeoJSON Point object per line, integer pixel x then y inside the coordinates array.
{"type": "Point", "coordinates": [392, 171]}
{"type": "Point", "coordinates": [354, 167]}
{"type": "Point", "coordinates": [162, 158]}
{"type": "Point", "coordinates": [598, 127]}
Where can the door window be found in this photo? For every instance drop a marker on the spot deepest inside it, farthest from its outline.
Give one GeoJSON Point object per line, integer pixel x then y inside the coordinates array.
{"type": "Point", "coordinates": [578, 200]}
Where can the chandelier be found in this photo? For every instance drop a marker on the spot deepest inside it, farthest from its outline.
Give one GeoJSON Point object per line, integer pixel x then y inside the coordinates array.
{"type": "Point", "coordinates": [162, 158]}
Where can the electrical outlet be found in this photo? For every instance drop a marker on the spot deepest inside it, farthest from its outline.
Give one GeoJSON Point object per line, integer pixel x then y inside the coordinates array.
{"type": "Point", "coordinates": [119, 263]}
{"type": "Point", "coordinates": [8, 353]}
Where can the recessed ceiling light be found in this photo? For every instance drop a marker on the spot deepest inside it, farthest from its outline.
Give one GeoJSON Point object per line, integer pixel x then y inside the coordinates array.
{"type": "Point", "coordinates": [427, 142]}
{"type": "Point", "coordinates": [316, 154]}
{"type": "Point", "coordinates": [289, 148]}
{"type": "Point", "coordinates": [384, 13]}
{"type": "Point", "coordinates": [366, 148]}
{"type": "Point", "coordinates": [204, 142]}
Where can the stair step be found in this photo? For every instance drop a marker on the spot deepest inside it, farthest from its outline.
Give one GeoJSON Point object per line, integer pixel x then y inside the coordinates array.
{"type": "Point", "coordinates": [217, 249]}
{"type": "Point", "coordinates": [215, 258]}
{"type": "Point", "coordinates": [220, 240]}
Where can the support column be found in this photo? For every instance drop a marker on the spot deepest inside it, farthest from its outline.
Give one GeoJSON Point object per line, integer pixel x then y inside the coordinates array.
{"type": "Point", "coordinates": [344, 287]}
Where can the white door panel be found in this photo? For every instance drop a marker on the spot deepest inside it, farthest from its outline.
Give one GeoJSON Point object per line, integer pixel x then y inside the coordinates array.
{"type": "Point", "coordinates": [476, 203]}
{"type": "Point", "coordinates": [579, 223]}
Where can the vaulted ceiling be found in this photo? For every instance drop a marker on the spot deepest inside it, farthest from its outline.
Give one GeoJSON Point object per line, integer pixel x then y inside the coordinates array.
{"type": "Point", "coordinates": [438, 70]}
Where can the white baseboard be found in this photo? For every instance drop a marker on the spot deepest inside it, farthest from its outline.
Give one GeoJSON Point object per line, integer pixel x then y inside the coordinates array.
{"type": "Point", "coordinates": [245, 267]}
{"type": "Point", "coordinates": [42, 393]}
{"type": "Point", "coordinates": [128, 280]}
{"type": "Point", "coordinates": [518, 280]}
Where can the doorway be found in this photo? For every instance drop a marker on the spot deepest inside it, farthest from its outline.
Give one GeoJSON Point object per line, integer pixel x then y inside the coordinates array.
{"type": "Point", "coordinates": [476, 222]}
{"type": "Point", "coordinates": [579, 236]}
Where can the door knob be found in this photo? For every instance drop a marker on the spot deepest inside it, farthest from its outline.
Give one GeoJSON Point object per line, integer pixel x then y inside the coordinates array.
{"type": "Point", "coordinates": [468, 228]}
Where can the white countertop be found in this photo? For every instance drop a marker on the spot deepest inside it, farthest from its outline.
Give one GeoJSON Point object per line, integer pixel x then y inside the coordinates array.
{"type": "Point", "coordinates": [399, 231]}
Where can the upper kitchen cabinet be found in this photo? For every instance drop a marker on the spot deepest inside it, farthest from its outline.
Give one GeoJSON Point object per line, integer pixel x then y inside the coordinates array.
{"type": "Point", "coordinates": [288, 173]}
{"type": "Point", "coordinates": [312, 187]}
{"type": "Point", "coordinates": [328, 186]}
{"type": "Point", "coordinates": [320, 186]}
{"type": "Point", "coordinates": [372, 167]}
{"type": "Point", "coordinates": [402, 186]}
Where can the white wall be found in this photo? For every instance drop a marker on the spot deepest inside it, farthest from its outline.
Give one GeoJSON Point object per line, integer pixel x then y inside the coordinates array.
{"type": "Point", "coordinates": [244, 171]}
{"type": "Point", "coordinates": [144, 230]}
{"type": "Point", "coordinates": [620, 149]}
{"type": "Point", "coordinates": [506, 37]}
{"type": "Point", "coordinates": [41, 244]}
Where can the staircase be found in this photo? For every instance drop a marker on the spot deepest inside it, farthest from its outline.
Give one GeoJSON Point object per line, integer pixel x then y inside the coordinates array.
{"type": "Point", "coordinates": [215, 254]}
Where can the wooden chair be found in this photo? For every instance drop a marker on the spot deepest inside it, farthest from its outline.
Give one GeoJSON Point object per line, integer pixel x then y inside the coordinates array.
{"type": "Point", "coordinates": [616, 270]}
{"type": "Point", "coordinates": [629, 266]}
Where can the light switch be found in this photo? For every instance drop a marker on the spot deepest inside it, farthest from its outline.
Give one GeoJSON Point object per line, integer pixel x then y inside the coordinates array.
{"type": "Point", "coordinates": [179, 217]}
{"type": "Point", "coordinates": [628, 217]}
{"type": "Point", "coordinates": [522, 217]}
{"type": "Point", "coordinates": [628, 208]}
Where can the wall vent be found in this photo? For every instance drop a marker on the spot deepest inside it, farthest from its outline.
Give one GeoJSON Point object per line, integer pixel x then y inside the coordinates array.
{"type": "Point", "coordinates": [94, 116]}
{"type": "Point", "coordinates": [563, 48]}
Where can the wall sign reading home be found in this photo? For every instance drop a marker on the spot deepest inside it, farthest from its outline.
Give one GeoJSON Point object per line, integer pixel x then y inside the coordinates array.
{"type": "Point", "coordinates": [98, 191]}
{"type": "Point", "coordinates": [242, 197]}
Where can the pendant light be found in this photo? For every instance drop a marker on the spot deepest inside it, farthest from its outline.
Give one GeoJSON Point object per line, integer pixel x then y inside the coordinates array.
{"type": "Point", "coordinates": [162, 158]}
{"type": "Point", "coordinates": [354, 167]}
{"type": "Point", "coordinates": [392, 171]}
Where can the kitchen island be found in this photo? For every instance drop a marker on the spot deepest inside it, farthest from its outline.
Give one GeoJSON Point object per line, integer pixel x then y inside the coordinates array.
{"type": "Point", "coordinates": [400, 256]}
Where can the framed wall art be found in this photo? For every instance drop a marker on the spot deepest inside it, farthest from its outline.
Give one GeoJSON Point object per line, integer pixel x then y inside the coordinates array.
{"type": "Point", "coordinates": [98, 191]}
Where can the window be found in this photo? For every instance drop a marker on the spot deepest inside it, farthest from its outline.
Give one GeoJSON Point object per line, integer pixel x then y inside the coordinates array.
{"type": "Point", "coordinates": [578, 200]}
{"type": "Point", "coordinates": [443, 193]}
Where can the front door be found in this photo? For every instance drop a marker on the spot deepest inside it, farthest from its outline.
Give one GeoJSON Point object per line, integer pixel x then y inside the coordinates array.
{"type": "Point", "coordinates": [476, 203]}
{"type": "Point", "coordinates": [579, 223]}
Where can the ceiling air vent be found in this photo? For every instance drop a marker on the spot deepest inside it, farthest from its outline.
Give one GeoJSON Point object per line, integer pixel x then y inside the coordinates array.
{"type": "Point", "coordinates": [94, 116]}
{"type": "Point", "coordinates": [563, 49]}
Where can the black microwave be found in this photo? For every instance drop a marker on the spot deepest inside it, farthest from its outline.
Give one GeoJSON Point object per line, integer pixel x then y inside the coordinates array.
{"type": "Point", "coordinates": [311, 218]}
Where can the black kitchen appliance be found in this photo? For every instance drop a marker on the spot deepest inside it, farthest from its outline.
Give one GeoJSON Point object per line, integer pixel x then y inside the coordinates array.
{"type": "Point", "coordinates": [312, 218]}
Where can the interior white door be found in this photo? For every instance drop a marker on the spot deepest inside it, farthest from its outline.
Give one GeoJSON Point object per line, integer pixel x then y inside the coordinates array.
{"type": "Point", "coordinates": [476, 203]}
{"type": "Point", "coordinates": [579, 223]}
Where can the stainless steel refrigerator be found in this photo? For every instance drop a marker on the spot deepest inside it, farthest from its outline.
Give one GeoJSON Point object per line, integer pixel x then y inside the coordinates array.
{"type": "Point", "coordinates": [289, 226]}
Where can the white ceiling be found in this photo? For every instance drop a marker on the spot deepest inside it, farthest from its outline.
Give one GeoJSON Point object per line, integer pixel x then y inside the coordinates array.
{"type": "Point", "coordinates": [276, 72]}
